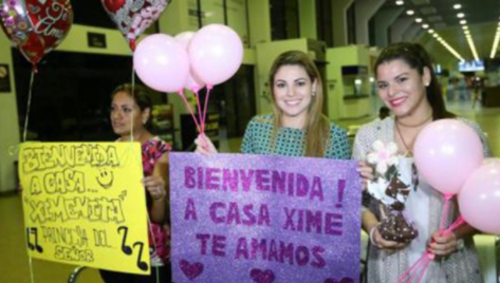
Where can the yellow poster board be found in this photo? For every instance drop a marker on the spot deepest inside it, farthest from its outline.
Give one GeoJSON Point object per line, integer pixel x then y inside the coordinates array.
{"type": "Point", "coordinates": [84, 204]}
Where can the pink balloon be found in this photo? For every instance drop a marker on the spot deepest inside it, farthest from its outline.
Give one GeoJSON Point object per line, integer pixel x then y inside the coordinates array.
{"type": "Point", "coordinates": [162, 63]}
{"type": "Point", "coordinates": [193, 83]}
{"type": "Point", "coordinates": [479, 200]}
{"type": "Point", "coordinates": [446, 153]}
{"type": "Point", "coordinates": [216, 53]}
{"type": "Point", "coordinates": [184, 38]}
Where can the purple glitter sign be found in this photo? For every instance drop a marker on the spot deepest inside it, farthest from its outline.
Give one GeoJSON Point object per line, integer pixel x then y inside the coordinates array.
{"type": "Point", "coordinates": [262, 219]}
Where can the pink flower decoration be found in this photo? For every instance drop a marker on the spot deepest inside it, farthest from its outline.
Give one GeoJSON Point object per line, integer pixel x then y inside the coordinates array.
{"type": "Point", "coordinates": [383, 156]}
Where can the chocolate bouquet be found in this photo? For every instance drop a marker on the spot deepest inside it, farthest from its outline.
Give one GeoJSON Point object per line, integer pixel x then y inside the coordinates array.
{"type": "Point", "coordinates": [391, 191]}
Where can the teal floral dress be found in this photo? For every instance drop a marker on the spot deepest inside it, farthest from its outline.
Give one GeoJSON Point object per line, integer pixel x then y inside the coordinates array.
{"type": "Point", "coordinates": [289, 141]}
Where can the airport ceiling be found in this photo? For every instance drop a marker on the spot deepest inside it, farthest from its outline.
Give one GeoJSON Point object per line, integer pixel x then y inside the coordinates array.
{"type": "Point", "coordinates": [482, 18]}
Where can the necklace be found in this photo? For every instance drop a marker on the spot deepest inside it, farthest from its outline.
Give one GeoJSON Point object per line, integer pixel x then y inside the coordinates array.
{"type": "Point", "coordinates": [409, 148]}
{"type": "Point", "coordinates": [416, 125]}
{"type": "Point", "coordinates": [408, 152]}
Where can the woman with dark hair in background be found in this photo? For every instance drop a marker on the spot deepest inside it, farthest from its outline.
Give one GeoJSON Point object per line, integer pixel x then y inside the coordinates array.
{"type": "Point", "coordinates": [130, 115]}
{"type": "Point", "coordinates": [409, 88]}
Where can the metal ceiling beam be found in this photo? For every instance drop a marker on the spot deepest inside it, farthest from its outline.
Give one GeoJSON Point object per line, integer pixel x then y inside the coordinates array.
{"type": "Point", "coordinates": [365, 9]}
{"type": "Point", "coordinates": [384, 18]}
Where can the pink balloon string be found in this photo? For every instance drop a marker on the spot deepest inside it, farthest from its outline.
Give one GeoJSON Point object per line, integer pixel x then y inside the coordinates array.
{"type": "Point", "coordinates": [424, 269]}
{"type": "Point", "coordinates": [209, 88]}
{"type": "Point", "coordinates": [202, 122]}
{"type": "Point", "coordinates": [458, 222]}
{"type": "Point", "coordinates": [447, 198]}
{"type": "Point", "coordinates": [181, 93]}
{"type": "Point", "coordinates": [417, 269]}
{"type": "Point", "coordinates": [409, 274]}
{"type": "Point", "coordinates": [420, 266]}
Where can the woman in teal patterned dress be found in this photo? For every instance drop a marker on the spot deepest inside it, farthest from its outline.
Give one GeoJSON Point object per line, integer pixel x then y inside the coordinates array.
{"type": "Point", "coordinates": [297, 126]}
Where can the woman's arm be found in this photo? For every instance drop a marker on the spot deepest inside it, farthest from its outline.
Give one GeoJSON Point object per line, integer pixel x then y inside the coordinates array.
{"type": "Point", "coordinates": [157, 186]}
{"type": "Point", "coordinates": [446, 243]}
{"type": "Point", "coordinates": [443, 244]}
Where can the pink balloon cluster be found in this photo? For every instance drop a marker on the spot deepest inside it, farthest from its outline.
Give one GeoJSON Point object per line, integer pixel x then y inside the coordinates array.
{"type": "Point", "coordinates": [446, 153]}
{"type": "Point", "coordinates": [190, 60]}
{"type": "Point", "coordinates": [479, 199]}
{"type": "Point", "coordinates": [449, 155]}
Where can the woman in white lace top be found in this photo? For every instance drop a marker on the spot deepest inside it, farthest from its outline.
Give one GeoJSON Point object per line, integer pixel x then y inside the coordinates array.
{"type": "Point", "coordinates": [408, 86]}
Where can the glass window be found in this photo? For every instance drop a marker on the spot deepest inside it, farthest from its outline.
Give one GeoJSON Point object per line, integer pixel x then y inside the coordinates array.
{"type": "Point", "coordinates": [324, 21]}
{"type": "Point", "coordinates": [237, 18]}
{"type": "Point", "coordinates": [232, 13]}
{"type": "Point", "coordinates": [284, 19]}
{"type": "Point", "coordinates": [351, 24]}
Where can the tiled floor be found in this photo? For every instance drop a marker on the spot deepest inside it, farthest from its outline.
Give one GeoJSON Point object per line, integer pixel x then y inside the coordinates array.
{"type": "Point", "coordinates": [14, 265]}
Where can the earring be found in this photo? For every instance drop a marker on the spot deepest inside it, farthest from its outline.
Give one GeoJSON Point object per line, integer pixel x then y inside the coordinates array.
{"type": "Point", "coordinates": [427, 84]}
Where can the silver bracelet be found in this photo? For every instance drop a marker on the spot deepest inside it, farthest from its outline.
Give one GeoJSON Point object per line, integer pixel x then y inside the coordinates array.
{"type": "Point", "coordinates": [371, 235]}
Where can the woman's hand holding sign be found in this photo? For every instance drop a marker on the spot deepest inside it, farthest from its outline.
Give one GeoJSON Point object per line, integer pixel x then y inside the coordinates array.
{"type": "Point", "coordinates": [204, 145]}
{"type": "Point", "coordinates": [155, 185]}
{"type": "Point", "coordinates": [366, 173]}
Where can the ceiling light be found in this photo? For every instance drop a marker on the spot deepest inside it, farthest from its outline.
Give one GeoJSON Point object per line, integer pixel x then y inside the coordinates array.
{"type": "Point", "coordinates": [463, 22]}
{"type": "Point", "coordinates": [472, 46]}
{"type": "Point", "coordinates": [460, 15]}
{"type": "Point", "coordinates": [457, 6]}
{"type": "Point", "coordinates": [450, 49]}
{"type": "Point", "coordinates": [410, 12]}
{"type": "Point", "coordinates": [418, 20]}
{"type": "Point", "coordinates": [425, 26]}
{"type": "Point", "coordinates": [399, 3]}
{"type": "Point", "coordinates": [495, 46]}
{"type": "Point", "coordinates": [431, 31]}
{"type": "Point", "coordinates": [435, 35]}
{"type": "Point", "coordinates": [465, 27]}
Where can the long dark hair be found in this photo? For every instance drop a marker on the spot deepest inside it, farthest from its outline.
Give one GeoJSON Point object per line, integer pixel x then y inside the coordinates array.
{"type": "Point", "coordinates": [141, 96]}
{"type": "Point", "coordinates": [417, 58]}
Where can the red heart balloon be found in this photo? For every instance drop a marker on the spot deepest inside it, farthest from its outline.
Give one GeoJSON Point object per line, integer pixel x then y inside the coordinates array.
{"type": "Point", "coordinates": [134, 18]}
{"type": "Point", "coordinates": [113, 5]}
{"type": "Point", "coordinates": [36, 27]}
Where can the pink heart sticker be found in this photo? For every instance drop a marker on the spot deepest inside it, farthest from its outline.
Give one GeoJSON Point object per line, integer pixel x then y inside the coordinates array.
{"type": "Point", "coordinates": [191, 270]}
{"type": "Point", "coordinates": [262, 276]}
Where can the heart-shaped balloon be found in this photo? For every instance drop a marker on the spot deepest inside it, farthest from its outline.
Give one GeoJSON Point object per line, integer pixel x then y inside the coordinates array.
{"type": "Point", "coordinates": [36, 27]}
{"type": "Point", "coordinates": [112, 6]}
{"type": "Point", "coordinates": [134, 17]}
